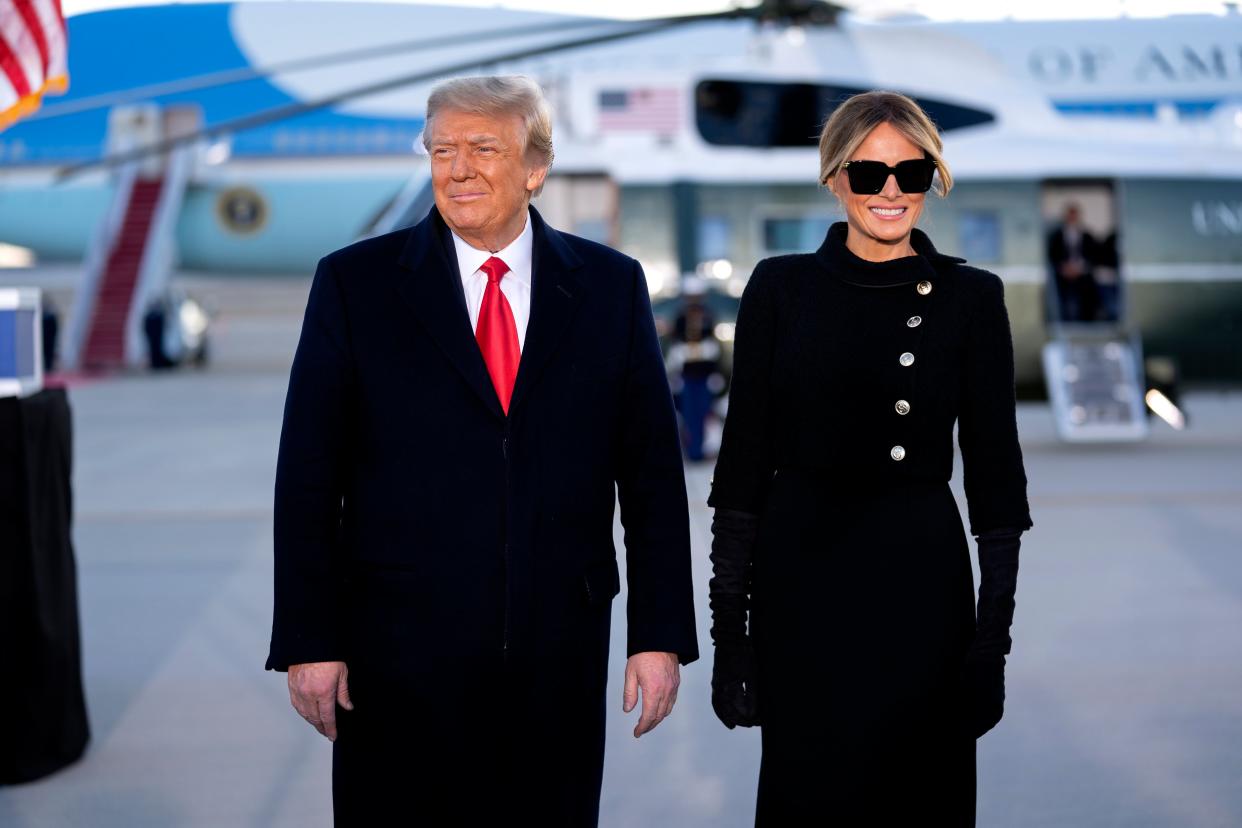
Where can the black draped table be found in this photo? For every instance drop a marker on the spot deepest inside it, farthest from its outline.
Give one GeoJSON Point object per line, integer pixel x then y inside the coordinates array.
{"type": "Point", "coordinates": [41, 684]}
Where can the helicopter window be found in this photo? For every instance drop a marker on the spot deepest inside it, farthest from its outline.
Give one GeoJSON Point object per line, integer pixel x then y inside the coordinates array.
{"type": "Point", "coordinates": [979, 236]}
{"type": "Point", "coordinates": [763, 114]}
{"type": "Point", "coordinates": [794, 234]}
{"type": "Point", "coordinates": [715, 234]}
{"type": "Point", "coordinates": [597, 230]}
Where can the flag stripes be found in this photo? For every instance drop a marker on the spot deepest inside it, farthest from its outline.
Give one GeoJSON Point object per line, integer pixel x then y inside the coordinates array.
{"type": "Point", "coordinates": [653, 110]}
{"type": "Point", "coordinates": [33, 56]}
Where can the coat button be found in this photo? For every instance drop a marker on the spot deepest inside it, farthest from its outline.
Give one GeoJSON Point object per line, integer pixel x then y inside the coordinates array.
{"type": "Point", "coordinates": [924, 287]}
{"type": "Point", "coordinates": [898, 453]}
{"type": "Point", "coordinates": [914, 321]}
{"type": "Point", "coordinates": [902, 407]}
{"type": "Point", "coordinates": [906, 359]}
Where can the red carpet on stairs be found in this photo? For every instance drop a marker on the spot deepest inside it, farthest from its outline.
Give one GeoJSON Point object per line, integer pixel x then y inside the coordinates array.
{"type": "Point", "coordinates": [105, 340]}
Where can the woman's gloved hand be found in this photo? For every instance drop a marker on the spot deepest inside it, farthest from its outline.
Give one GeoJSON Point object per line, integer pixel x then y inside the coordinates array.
{"type": "Point", "coordinates": [734, 688]}
{"type": "Point", "coordinates": [983, 683]}
{"type": "Point", "coordinates": [735, 696]}
{"type": "Point", "coordinates": [983, 672]}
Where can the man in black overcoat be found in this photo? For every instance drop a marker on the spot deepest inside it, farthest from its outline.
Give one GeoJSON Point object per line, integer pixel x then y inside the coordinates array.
{"type": "Point", "coordinates": [1071, 253]}
{"type": "Point", "coordinates": [467, 399]}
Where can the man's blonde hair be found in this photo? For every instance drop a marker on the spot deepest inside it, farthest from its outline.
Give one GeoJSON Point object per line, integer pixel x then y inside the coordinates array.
{"type": "Point", "coordinates": [498, 95]}
{"type": "Point", "coordinates": [851, 123]}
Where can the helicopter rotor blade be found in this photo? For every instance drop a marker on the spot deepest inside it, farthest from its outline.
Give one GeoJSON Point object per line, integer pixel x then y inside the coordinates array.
{"type": "Point", "coordinates": [795, 11]}
{"type": "Point", "coordinates": [285, 111]}
{"type": "Point", "coordinates": [227, 77]}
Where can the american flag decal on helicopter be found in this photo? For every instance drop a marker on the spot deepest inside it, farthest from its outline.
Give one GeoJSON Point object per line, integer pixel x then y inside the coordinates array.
{"type": "Point", "coordinates": [646, 109]}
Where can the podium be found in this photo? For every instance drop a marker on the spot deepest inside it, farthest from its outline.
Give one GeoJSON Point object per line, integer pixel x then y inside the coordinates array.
{"type": "Point", "coordinates": [41, 694]}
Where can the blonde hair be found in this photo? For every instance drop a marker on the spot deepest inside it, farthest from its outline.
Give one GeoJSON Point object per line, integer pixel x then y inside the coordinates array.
{"type": "Point", "coordinates": [496, 95]}
{"type": "Point", "coordinates": [851, 123]}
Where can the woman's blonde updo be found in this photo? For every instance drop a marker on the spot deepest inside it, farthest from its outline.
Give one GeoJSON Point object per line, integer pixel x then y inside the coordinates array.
{"type": "Point", "coordinates": [851, 123]}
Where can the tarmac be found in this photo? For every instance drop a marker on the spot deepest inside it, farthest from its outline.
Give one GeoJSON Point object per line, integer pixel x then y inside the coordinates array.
{"type": "Point", "coordinates": [1124, 687]}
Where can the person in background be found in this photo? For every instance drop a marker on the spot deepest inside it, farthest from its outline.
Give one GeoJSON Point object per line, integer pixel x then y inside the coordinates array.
{"type": "Point", "coordinates": [694, 358]}
{"type": "Point", "coordinates": [1071, 250]}
{"type": "Point", "coordinates": [51, 335]}
{"type": "Point", "coordinates": [841, 593]}
{"type": "Point", "coordinates": [1107, 273]}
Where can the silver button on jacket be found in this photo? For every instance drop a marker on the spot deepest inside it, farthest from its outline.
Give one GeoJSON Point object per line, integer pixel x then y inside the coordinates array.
{"type": "Point", "coordinates": [924, 287]}
{"type": "Point", "coordinates": [898, 453]}
{"type": "Point", "coordinates": [903, 407]}
{"type": "Point", "coordinates": [914, 321]}
{"type": "Point", "coordinates": [906, 359]}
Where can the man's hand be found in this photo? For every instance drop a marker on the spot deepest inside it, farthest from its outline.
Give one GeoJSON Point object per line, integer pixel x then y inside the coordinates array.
{"type": "Point", "coordinates": [658, 675]}
{"type": "Point", "coordinates": [314, 690]}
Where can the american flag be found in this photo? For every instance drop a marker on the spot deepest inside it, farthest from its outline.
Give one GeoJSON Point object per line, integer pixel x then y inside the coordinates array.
{"type": "Point", "coordinates": [649, 110]}
{"type": "Point", "coordinates": [33, 56]}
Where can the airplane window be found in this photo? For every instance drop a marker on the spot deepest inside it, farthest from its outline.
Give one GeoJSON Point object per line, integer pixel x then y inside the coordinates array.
{"type": "Point", "coordinates": [762, 114]}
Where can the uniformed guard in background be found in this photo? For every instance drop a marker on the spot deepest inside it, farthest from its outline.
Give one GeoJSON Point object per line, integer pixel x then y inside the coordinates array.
{"type": "Point", "coordinates": [693, 364]}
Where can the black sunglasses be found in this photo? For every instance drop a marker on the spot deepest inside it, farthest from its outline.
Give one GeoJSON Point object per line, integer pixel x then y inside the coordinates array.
{"type": "Point", "coordinates": [869, 177]}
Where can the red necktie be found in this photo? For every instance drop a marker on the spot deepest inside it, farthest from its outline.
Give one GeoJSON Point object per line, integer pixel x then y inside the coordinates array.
{"type": "Point", "coordinates": [497, 333]}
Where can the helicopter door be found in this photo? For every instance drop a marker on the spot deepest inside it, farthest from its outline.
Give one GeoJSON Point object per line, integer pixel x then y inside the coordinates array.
{"type": "Point", "coordinates": [585, 205]}
{"type": "Point", "coordinates": [1081, 253]}
{"type": "Point", "coordinates": [1093, 364]}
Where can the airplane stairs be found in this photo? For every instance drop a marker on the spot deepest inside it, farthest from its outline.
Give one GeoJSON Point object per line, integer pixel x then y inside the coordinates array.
{"type": "Point", "coordinates": [107, 333]}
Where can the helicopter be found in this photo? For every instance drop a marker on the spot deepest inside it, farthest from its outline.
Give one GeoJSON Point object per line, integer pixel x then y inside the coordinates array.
{"type": "Point", "coordinates": [283, 131]}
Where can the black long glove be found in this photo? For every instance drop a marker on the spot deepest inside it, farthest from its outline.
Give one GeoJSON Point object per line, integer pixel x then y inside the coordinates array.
{"type": "Point", "coordinates": [734, 693]}
{"type": "Point", "coordinates": [983, 673]}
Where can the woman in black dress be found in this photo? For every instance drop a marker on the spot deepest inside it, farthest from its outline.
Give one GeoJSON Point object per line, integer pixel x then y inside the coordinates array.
{"type": "Point", "coordinates": [842, 602]}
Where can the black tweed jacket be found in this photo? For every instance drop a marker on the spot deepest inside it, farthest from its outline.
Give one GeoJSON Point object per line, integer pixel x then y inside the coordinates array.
{"type": "Point", "coordinates": [857, 371]}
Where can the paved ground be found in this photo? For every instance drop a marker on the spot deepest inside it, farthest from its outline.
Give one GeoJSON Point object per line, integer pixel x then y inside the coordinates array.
{"type": "Point", "coordinates": [1125, 692]}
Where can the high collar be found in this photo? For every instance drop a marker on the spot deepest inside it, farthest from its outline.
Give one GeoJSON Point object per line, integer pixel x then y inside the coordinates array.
{"type": "Point", "coordinates": [847, 266]}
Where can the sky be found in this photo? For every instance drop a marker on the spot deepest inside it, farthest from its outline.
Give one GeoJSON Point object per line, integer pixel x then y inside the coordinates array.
{"type": "Point", "coordinates": [934, 9]}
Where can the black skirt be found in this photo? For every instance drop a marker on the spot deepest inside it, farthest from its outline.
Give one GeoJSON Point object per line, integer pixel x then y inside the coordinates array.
{"type": "Point", "coordinates": [863, 610]}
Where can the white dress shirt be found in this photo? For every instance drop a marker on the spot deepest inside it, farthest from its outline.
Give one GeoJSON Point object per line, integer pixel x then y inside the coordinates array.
{"type": "Point", "coordinates": [1073, 244]}
{"type": "Point", "coordinates": [515, 284]}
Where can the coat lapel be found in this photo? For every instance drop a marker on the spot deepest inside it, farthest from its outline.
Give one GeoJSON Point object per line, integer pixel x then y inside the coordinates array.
{"type": "Point", "coordinates": [556, 292]}
{"type": "Point", "coordinates": [432, 289]}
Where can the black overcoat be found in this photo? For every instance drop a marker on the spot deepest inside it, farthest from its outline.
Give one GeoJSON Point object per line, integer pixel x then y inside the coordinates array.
{"type": "Point", "coordinates": [461, 561]}
{"type": "Point", "coordinates": [849, 377]}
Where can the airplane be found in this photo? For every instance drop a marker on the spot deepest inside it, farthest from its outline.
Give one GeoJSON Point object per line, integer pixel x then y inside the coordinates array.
{"type": "Point", "coordinates": [689, 143]}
